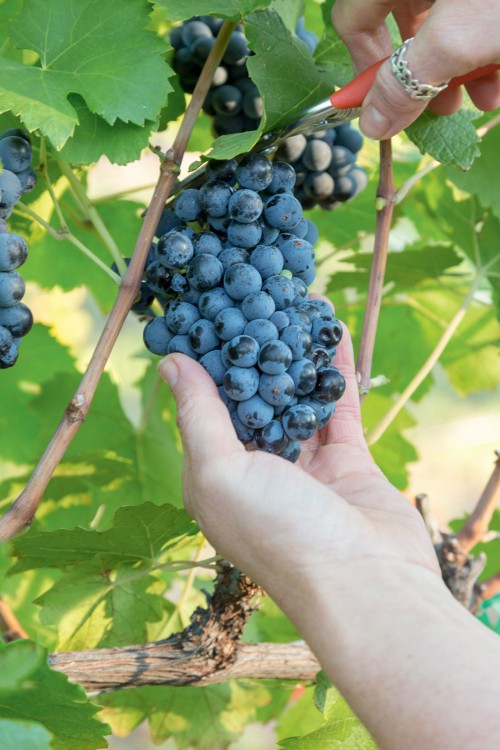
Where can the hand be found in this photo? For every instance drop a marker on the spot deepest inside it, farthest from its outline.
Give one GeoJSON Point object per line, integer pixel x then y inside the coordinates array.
{"type": "Point", "coordinates": [284, 524]}
{"type": "Point", "coordinates": [452, 37]}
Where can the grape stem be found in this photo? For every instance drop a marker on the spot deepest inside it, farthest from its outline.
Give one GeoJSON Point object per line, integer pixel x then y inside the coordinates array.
{"type": "Point", "coordinates": [93, 215]}
{"type": "Point", "coordinates": [385, 207]}
{"type": "Point", "coordinates": [10, 627]}
{"type": "Point", "coordinates": [65, 234]}
{"type": "Point", "coordinates": [24, 508]}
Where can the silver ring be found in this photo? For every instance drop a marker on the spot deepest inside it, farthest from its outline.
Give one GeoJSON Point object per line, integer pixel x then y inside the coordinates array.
{"type": "Point", "coordinates": [404, 76]}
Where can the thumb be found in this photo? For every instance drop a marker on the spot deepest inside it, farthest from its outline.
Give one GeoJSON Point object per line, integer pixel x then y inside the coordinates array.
{"type": "Point", "coordinates": [202, 417]}
{"type": "Point", "coordinates": [388, 108]}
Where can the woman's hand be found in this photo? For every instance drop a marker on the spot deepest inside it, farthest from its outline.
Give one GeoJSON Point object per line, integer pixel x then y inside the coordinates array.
{"type": "Point", "coordinates": [452, 37]}
{"type": "Point", "coordinates": [284, 524]}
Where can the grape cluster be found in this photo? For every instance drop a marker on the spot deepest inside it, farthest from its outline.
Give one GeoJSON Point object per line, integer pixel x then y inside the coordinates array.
{"type": "Point", "coordinates": [232, 269]}
{"type": "Point", "coordinates": [17, 177]}
{"type": "Point", "coordinates": [325, 166]}
{"type": "Point", "coordinates": [325, 163]}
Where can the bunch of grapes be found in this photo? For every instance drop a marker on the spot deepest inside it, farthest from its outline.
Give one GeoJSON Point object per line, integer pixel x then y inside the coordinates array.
{"type": "Point", "coordinates": [325, 166]}
{"type": "Point", "coordinates": [232, 272]}
{"type": "Point", "coordinates": [17, 177]}
{"type": "Point", "coordinates": [325, 163]}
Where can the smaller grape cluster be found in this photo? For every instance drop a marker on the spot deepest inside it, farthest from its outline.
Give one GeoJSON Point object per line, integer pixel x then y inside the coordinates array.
{"type": "Point", "coordinates": [325, 166]}
{"type": "Point", "coordinates": [325, 163]}
{"type": "Point", "coordinates": [17, 177]}
{"type": "Point", "coordinates": [232, 270]}
{"type": "Point", "coordinates": [233, 99]}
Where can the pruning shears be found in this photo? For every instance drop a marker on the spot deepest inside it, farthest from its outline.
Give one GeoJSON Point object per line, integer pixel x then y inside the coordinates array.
{"type": "Point", "coordinates": [343, 105]}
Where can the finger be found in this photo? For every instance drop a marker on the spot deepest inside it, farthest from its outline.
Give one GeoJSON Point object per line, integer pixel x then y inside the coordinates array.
{"type": "Point", "coordinates": [388, 108]}
{"type": "Point", "coordinates": [361, 26]}
{"type": "Point", "coordinates": [410, 16]}
{"type": "Point", "coordinates": [485, 92]}
{"type": "Point", "coordinates": [345, 426]}
{"type": "Point", "coordinates": [203, 419]}
{"type": "Point", "coordinates": [448, 102]}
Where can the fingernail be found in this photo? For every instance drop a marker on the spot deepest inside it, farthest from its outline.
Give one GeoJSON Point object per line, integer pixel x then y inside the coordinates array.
{"type": "Point", "coordinates": [169, 371]}
{"type": "Point", "coordinates": [373, 123]}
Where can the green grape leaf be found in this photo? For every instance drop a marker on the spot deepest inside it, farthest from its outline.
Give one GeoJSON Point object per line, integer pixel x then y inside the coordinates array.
{"type": "Point", "coordinates": [89, 608]}
{"type": "Point", "coordinates": [342, 731]}
{"type": "Point", "coordinates": [18, 664]}
{"type": "Point", "coordinates": [106, 595]}
{"type": "Point", "coordinates": [404, 271]}
{"type": "Point", "coordinates": [392, 452]}
{"type": "Point", "coordinates": [283, 70]}
{"type": "Point", "coordinates": [203, 718]}
{"type": "Point", "coordinates": [289, 11]}
{"type": "Point", "coordinates": [301, 715]}
{"type": "Point", "coordinates": [478, 179]}
{"type": "Point", "coordinates": [451, 140]}
{"type": "Point", "coordinates": [49, 699]}
{"type": "Point", "coordinates": [21, 734]}
{"type": "Point", "coordinates": [491, 548]}
{"type": "Point", "coordinates": [94, 137]}
{"type": "Point", "coordinates": [233, 10]}
{"type": "Point", "coordinates": [269, 623]}
{"type": "Point", "coordinates": [93, 48]}
{"type": "Point", "coordinates": [137, 536]}
{"type": "Point", "coordinates": [331, 55]}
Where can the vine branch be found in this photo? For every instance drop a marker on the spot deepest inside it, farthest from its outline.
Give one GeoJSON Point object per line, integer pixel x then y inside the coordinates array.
{"type": "Point", "coordinates": [10, 627]}
{"type": "Point", "coordinates": [24, 508]}
{"type": "Point", "coordinates": [476, 526]}
{"type": "Point", "coordinates": [385, 209]}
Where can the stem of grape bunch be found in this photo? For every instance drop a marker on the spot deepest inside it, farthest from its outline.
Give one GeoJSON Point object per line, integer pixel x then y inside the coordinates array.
{"type": "Point", "coordinates": [385, 208]}
{"type": "Point", "coordinates": [24, 508]}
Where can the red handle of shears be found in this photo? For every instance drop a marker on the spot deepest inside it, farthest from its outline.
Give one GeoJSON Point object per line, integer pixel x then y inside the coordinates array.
{"type": "Point", "coordinates": [353, 94]}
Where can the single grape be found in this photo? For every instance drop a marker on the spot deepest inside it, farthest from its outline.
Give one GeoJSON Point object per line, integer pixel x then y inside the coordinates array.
{"type": "Point", "coordinates": [229, 323]}
{"type": "Point", "coordinates": [156, 336]}
{"type": "Point", "coordinates": [261, 330]}
{"type": "Point", "coordinates": [15, 153]}
{"type": "Point", "coordinates": [10, 189]}
{"type": "Point", "coordinates": [214, 197]}
{"type": "Point", "coordinates": [280, 319]}
{"type": "Point", "coordinates": [277, 390]}
{"type": "Point", "coordinates": [257, 305]}
{"type": "Point", "coordinates": [168, 222]}
{"type": "Point", "coordinates": [5, 340]}
{"type": "Point", "coordinates": [202, 336]}
{"type": "Point", "coordinates": [236, 49]}
{"type": "Point", "coordinates": [243, 351]}
{"type": "Point", "coordinates": [241, 383]}
{"type": "Point", "coordinates": [244, 235]}
{"type": "Point", "coordinates": [283, 178]}
{"type": "Point", "coordinates": [342, 161]}
{"type": "Point", "coordinates": [187, 205]}
{"type": "Point", "coordinates": [222, 170]}
{"type": "Point", "coordinates": [319, 356]}
{"type": "Point", "coordinates": [12, 288]}
{"type": "Point", "coordinates": [212, 302]}
{"type": "Point", "coordinates": [13, 251]}
{"type": "Point", "coordinates": [330, 386]}
{"type": "Point", "coordinates": [328, 333]}
{"type": "Point", "coordinates": [9, 359]}
{"type": "Point", "coordinates": [271, 438]}
{"type": "Point", "coordinates": [275, 357]}
{"type": "Point", "coordinates": [298, 341]}
{"type": "Point", "coordinates": [292, 451]}
{"type": "Point", "coordinates": [27, 178]}
{"type": "Point", "coordinates": [180, 343]}
{"type": "Point", "coordinates": [242, 279]}
{"type": "Point", "coordinates": [212, 363]}
{"type": "Point", "coordinates": [281, 290]}
{"type": "Point", "coordinates": [174, 250]}
{"type": "Point", "coordinates": [192, 30]}
{"type": "Point", "coordinates": [181, 316]}
{"type": "Point", "coordinates": [201, 47]}
{"type": "Point", "coordinates": [297, 316]}
{"type": "Point", "coordinates": [317, 155]}
{"type": "Point", "coordinates": [204, 272]}
{"type": "Point", "coordinates": [255, 172]}
{"type": "Point", "coordinates": [244, 433]}
{"type": "Point", "coordinates": [324, 412]}
{"type": "Point", "coordinates": [255, 412]}
{"type": "Point", "coordinates": [267, 259]}
{"type": "Point", "coordinates": [304, 375]}
{"type": "Point", "coordinates": [319, 186]}
{"type": "Point", "coordinates": [207, 242]}
{"type": "Point", "coordinates": [298, 256]}
{"type": "Point", "coordinates": [231, 255]}
{"type": "Point", "coordinates": [227, 100]}
{"type": "Point", "coordinates": [18, 319]}
{"type": "Point", "coordinates": [348, 137]}
{"type": "Point", "coordinates": [292, 149]}
{"type": "Point", "coordinates": [300, 422]}
{"type": "Point", "coordinates": [158, 278]}
{"type": "Point", "coordinates": [245, 206]}
{"type": "Point", "coordinates": [282, 211]}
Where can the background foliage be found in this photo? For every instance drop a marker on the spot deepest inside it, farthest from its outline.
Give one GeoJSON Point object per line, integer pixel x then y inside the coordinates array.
{"type": "Point", "coordinates": [92, 78]}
